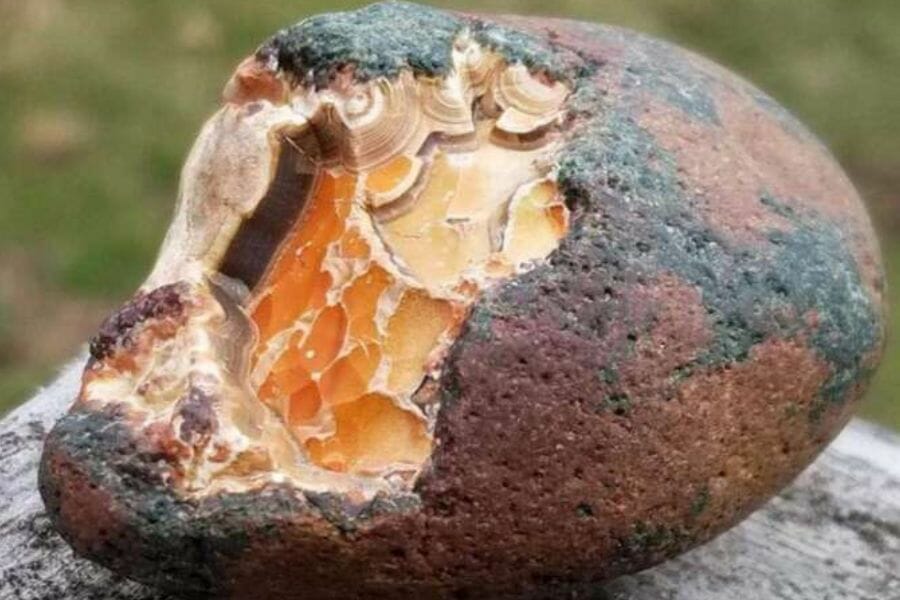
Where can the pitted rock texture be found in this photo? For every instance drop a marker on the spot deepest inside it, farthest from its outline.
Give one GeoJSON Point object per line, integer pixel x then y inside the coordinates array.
{"type": "Point", "coordinates": [701, 333]}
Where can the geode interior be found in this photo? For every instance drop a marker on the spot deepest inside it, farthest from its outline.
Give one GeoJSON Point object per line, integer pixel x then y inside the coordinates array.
{"type": "Point", "coordinates": [328, 245]}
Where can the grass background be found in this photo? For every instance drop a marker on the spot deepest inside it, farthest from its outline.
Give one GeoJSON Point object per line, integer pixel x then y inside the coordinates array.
{"type": "Point", "coordinates": [100, 99]}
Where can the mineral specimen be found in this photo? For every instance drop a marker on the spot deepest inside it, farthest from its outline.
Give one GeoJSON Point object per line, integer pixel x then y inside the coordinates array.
{"type": "Point", "coordinates": [456, 306]}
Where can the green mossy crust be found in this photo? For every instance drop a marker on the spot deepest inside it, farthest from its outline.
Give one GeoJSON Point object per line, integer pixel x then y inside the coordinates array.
{"type": "Point", "coordinates": [382, 39]}
{"type": "Point", "coordinates": [700, 502]}
{"type": "Point", "coordinates": [649, 538]}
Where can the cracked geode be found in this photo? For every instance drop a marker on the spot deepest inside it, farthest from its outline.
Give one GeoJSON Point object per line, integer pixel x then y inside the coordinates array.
{"type": "Point", "coordinates": [461, 306]}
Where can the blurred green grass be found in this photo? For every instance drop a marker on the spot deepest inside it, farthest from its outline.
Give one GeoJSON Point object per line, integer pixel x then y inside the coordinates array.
{"type": "Point", "coordinates": [100, 99]}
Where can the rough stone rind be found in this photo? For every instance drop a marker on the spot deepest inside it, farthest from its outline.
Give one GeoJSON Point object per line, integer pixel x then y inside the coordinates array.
{"type": "Point", "coordinates": [382, 39]}
{"type": "Point", "coordinates": [699, 336]}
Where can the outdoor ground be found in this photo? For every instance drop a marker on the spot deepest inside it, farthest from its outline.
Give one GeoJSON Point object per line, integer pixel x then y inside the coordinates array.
{"type": "Point", "coordinates": [100, 99]}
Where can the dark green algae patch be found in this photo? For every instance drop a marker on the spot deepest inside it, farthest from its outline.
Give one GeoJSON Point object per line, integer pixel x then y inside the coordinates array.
{"type": "Point", "coordinates": [382, 39]}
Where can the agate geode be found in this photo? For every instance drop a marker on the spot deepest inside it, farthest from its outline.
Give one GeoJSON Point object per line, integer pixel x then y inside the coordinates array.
{"type": "Point", "coordinates": [458, 306]}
